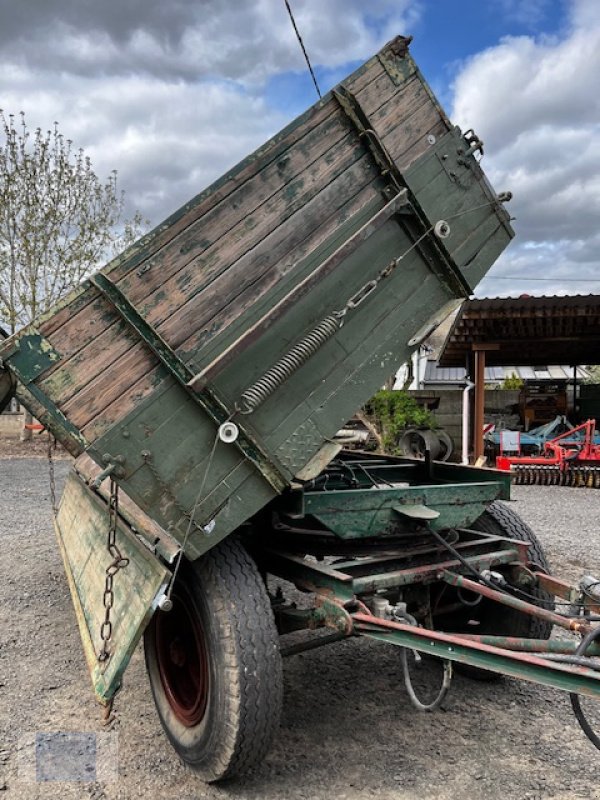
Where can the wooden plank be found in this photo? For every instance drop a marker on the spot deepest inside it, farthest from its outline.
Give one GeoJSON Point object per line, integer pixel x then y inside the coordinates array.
{"type": "Point", "coordinates": [370, 71]}
{"type": "Point", "coordinates": [376, 93]}
{"type": "Point", "coordinates": [199, 347]}
{"type": "Point", "coordinates": [410, 136]}
{"type": "Point", "coordinates": [81, 533]}
{"type": "Point", "coordinates": [83, 406]}
{"type": "Point", "coordinates": [251, 166]}
{"type": "Point", "coordinates": [71, 374]}
{"type": "Point", "coordinates": [398, 110]}
{"type": "Point", "coordinates": [72, 332]}
{"type": "Point", "coordinates": [274, 258]}
{"type": "Point", "coordinates": [201, 272]}
{"type": "Point", "coordinates": [80, 330]}
{"type": "Point", "coordinates": [109, 397]}
{"type": "Point", "coordinates": [96, 426]}
{"type": "Point", "coordinates": [278, 180]}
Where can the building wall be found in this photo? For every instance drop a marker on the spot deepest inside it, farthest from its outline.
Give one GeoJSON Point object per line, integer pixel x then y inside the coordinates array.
{"type": "Point", "coordinates": [498, 403]}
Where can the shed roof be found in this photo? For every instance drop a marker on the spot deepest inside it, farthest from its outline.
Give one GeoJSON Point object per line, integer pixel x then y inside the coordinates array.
{"type": "Point", "coordinates": [526, 331]}
{"type": "Point", "coordinates": [455, 376]}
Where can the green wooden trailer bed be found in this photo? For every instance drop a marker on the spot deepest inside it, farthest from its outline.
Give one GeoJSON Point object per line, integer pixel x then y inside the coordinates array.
{"type": "Point", "coordinates": [200, 380]}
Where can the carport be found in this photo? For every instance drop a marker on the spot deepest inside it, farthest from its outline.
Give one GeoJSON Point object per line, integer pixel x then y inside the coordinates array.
{"type": "Point", "coordinates": [522, 331]}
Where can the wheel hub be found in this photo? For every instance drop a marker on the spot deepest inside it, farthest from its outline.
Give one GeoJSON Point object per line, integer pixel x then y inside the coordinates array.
{"type": "Point", "coordinates": [182, 659]}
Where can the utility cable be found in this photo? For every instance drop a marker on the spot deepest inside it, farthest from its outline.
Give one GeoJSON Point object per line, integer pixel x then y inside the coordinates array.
{"type": "Point", "coordinates": [301, 43]}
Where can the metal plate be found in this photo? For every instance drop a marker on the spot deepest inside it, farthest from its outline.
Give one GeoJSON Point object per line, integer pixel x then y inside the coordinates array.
{"type": "Point", "coordinates": [81, 528]}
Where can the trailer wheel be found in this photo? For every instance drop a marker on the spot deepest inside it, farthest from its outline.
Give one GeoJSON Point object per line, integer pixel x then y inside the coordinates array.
{"type": "Point", "coordinates": [493, 618]}
{"type": "Point", "coordinates": [214, 665]}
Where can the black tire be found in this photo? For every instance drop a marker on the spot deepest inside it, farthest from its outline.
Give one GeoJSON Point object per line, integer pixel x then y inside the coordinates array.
{"type": "Point", "coordinates": [415, 443]}
{"type": "Point", "coordinates": [214, 665]}
{"type": "Point", "coordinates": [493, 618]}
{"type": "Point", "coordinates": [446, 445]}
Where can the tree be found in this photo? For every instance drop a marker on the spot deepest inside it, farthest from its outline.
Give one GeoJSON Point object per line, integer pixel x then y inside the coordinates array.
{"type": "Point", "coordinates": [58, 220]}
{"type": "Point", "coordinates": [594, 373]}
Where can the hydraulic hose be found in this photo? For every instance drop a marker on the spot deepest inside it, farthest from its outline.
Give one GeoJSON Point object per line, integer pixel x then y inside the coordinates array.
{"type": "Point", "coordinates": [575, 704]}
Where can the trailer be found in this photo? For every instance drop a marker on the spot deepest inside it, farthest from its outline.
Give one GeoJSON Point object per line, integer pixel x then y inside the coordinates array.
{"type": "Point", "coordinates": [200, 381]}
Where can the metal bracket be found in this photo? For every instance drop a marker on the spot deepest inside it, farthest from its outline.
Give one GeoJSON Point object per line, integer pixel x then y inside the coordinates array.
{"type": "Point", "coordinates": [414, 220]}
{"type": "Point", "coordinates": [209, 403]}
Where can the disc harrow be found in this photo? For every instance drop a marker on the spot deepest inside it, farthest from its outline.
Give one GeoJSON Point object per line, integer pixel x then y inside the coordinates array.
{"type": "Point", "coordinates": [571, 459]}
{"type": "Point", "coordinates": [585, 477]}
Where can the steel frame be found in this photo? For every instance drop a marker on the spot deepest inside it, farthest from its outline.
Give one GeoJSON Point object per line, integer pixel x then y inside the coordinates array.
{"type": "Point", "coordinates": [341, 587]}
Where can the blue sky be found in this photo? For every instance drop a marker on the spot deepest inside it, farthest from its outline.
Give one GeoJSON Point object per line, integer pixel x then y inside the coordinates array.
{"type": "Point", "coordinates": [446, 33]}
{"type": "Point", "coordinates": [173, 94]}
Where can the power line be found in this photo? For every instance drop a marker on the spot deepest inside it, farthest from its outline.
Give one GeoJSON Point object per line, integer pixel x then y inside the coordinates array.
{"type": "Point", "coordinates": [301, 43]}
{"type": "Point", "coordinates": [553, 280]}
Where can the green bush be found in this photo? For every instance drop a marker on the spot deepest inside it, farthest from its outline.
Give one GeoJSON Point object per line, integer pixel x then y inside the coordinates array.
{"type": "Point", "coordinates": [512, 382]}
{"type": "Point", "coordinates": [392, 412]}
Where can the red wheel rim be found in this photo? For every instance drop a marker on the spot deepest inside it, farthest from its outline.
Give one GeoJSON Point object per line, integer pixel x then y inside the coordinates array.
{"type": "Point", "coordinates": [182, 659]}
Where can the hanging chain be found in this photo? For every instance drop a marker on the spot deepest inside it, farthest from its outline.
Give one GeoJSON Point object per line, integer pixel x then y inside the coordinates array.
{"type": "Point", "coordinates": [51, 475]}
{"type": "Point", "coordinates": [119, 562]}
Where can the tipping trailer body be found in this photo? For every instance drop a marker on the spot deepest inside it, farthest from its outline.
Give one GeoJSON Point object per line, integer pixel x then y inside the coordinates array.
{"type": "Point", "coordinates": [336, 215]}
{"type": "Point", "coordinates": [281, 297]}
{"type": "Point", "coordinates": [200, 380]}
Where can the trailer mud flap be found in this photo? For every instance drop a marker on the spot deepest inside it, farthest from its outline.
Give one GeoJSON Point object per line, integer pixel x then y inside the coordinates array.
{"type": "Point", "coordinates": [81, 527]}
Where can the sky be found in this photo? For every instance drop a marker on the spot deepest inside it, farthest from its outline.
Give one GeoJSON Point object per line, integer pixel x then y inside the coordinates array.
{"type": "Point", "coordinates": [172, 93]}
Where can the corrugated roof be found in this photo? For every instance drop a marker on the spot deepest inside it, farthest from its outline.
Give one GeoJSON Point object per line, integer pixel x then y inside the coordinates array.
{"type": "Point", "coordinates": [526, 331]}
{"type": "Point", "coordinates": [456, 375]}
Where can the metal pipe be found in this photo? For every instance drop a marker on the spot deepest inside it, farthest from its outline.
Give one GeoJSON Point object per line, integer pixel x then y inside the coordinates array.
{"type": "Point", "coordinates": [514, 602]}
{"type": "Point", "coordinates": [557, 646]}
{"type": "Point", "coordinates": [526, 666]}
{"type": "Point", "coordinates": [312, 644]}
{"type": "Point", "coordinates": [466, 421]}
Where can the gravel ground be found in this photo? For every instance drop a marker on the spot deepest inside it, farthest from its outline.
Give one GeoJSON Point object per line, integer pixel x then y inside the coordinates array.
{"type": "Point", "coordinates": [348, 730]}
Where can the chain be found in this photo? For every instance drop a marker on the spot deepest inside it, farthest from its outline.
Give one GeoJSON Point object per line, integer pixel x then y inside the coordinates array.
{"type": "Point", "coordinates": [119, 562]}
{"type": "Point", "coordinates": [51, 475]}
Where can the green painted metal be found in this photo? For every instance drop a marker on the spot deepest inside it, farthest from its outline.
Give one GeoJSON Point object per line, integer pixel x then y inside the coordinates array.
{"type": "Point", "coordinates": [429, 572]}
{"type": "Point", "coordinates": [418, 225]}
{"type": "Point", "coordinates": [48, 413]}
{"type": "Point", "coordinates": [495, 659]}
{"type": "Point", "coordinates": [339, 582]}
{"type": "Point", "coordinates": [562, 621]}
{"type": "Point", "coordinates": [183, 375]}
{"type": "Point", "coordinates": [363, 513]}
{"type": "Point", "coordinates": [30, 355]}
{"type": "Point", "coordinates": [551, 646]}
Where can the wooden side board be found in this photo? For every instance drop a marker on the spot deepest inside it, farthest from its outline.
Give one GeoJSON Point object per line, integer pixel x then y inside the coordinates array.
{"type": "Point", "coordinates": [234, 246]}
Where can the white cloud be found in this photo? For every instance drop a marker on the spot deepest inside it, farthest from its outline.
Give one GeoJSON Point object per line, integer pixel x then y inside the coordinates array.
{"type": "Point", "coordinates": [171, 94]}
{"type": "Point", "coordinates": [536, 104]}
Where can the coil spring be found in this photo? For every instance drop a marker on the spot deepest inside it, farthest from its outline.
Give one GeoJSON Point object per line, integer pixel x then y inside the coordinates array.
{"type": "Point", "coordinates": [256, 395]}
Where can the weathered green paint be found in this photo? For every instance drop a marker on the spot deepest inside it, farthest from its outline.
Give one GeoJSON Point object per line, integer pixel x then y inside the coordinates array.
{"type": "Point", "coordinates": [516, 665]}
{"type": "Point", "coordinates": [81, 529]}
{"type": "Point", "coordinates": [44, 410]}
{"type": "Point", "coordinates": [217, 412]}
{"type": "Point", "coordinates": [170, 435]}
{"type": "Point", "coordinates": [363, 513]}
{"type": "Point", "coordinates": [338, 581]}
{"type": "Point", "coordinates": [31, 355]}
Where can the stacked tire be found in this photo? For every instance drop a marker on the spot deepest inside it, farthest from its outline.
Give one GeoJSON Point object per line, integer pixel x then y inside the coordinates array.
{"type": "Point", "coordinates": [417, 442]}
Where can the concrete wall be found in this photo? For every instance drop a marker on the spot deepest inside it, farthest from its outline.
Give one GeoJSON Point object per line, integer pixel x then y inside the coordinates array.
{"type": "Point", "coordinates": [448, 414]}
{"type": "Point", "coordinates": [11, 424]}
